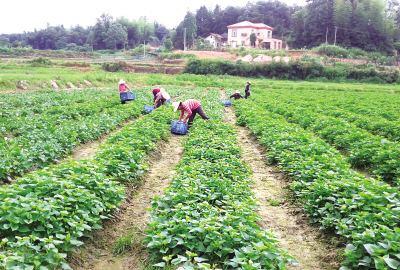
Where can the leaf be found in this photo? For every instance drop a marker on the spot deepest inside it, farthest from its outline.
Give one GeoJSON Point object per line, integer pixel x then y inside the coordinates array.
{"type": "Point", "coordinates": [200, 259]}
{"type": "Point", "coordinates": [393, 264]}
{"type": "Point", "coordinates": [160, 264]}
{"type": "Point", "coordinates": [370, 248]}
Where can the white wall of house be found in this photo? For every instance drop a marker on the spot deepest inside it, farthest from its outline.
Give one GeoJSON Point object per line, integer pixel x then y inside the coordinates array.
{"type": "Point", "coordinates": [213, 41]}
{"type": "Point", "coordinates": [240, 37]}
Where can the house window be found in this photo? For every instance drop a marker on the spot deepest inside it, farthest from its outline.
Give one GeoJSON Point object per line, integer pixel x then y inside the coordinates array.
{"type": "Point", "coordinates": [269, 34]}
{"type": "Point", "coordinates": [234, 33]}
{"type": "Point", "coordinates": [244, 34]}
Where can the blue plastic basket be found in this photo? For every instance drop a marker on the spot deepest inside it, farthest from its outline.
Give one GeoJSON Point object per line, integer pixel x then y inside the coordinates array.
{"type": "Point", "coordinates": [179, 127]}
{"type": "Point", "coordinates": [148, 109]}
{"type": "Point", "coordinates": [227, 103]}
{"type": "Point", "coordinates": [127, 96]}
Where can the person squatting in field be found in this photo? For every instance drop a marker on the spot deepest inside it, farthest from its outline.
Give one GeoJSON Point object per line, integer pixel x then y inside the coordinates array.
{"type": "Point", "coordinates": [160, 97]}
{"type": "Point", "coordinates": [189, 109]}
{"type": "Point", "coordinates": [236, 95]}
{"type": "Point", "coordinates": [247, 90]}
{"type": "Point", "coordinates": [123, 86]}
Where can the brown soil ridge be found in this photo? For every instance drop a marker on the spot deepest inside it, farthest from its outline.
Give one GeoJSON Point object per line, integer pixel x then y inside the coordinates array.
{"type": "Point", "coordinates": [89, 149]}
{"type": "Point", "coordinates": [97, 253]}
{"type": "Point", "coordinates": [287, 222]}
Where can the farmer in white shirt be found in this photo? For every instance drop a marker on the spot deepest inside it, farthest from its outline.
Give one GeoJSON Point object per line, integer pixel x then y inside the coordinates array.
{"type": "Point", "coordinates": [160, 97]}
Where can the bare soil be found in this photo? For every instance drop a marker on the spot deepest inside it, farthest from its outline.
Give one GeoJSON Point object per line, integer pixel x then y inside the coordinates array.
{"type": "Point", "coordinates": [210, 54]}
{"type": "Point", "coordinates": [89, 149]}
{"type": "Point", "coordinates": [285, 220]}
{"type": "Point", "coordinates": [133, 217]}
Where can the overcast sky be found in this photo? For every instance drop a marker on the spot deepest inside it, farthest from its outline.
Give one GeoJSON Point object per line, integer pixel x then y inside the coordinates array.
{"type": "Point", "coordinates": [26, 15]}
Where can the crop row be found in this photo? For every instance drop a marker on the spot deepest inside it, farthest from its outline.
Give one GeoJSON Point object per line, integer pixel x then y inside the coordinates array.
{"type": "Point", "coordinates": [380, 156]}
{"type": "Point", "coordinates": [363, 117]}
{"type": "Point", "coordinates": [366, 212]}
{"type": "Point", "coordinates": [39, 143]}
{"type": "Point", "coordinates": [44, 214]}
{"type": "Point", "coordinates": [206, 219]}
{"type": "Point", "coordinates": [39, 102]}
{"type": "Point", "coordinates": [377, 104]}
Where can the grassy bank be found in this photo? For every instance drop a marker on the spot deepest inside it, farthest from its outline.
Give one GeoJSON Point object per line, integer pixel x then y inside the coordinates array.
{"type": "Point", "coordinates": [38, 77]}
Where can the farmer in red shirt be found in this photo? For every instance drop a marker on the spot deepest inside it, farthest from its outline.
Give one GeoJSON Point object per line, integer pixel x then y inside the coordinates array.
{"type": "Point", "coordinates": [189, 109]}
{"type": "Point", "coordinates": [122, 86]}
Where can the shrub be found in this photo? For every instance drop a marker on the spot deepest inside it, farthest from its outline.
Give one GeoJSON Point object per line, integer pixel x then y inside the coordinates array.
{"type": "Point", "coordinates": [296, 70]}
{"type": "Point", "coordinates": [114, 66]}
{"type": "Point", "coordinates": [171, 55]}
{"type": "Point", "coordinates": [332, 51]}
{"type": "Point", "coordinates": [41, 61]}
{"type": "Point", "coordinates": [168, 44]}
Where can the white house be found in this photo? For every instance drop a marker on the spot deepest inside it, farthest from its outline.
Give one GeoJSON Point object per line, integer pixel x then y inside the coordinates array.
{"type": "Point", "coordinates": [239, 36]}
{"type": "Point", "coordinates": [215, 40]}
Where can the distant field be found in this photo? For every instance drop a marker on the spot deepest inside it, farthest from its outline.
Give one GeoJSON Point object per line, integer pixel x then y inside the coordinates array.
{"type": "Point", "coordinates": [38, 77]}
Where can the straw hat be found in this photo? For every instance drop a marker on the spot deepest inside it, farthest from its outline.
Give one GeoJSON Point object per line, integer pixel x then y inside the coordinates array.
{"type": "Point", "coordinates": [121, 81]}
{"type": "Point", "coordinates": [175, 105]}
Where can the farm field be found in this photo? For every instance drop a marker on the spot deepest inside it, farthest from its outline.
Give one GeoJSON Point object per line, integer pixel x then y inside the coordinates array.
{"type": "Point", "coordinates": [303, 175]}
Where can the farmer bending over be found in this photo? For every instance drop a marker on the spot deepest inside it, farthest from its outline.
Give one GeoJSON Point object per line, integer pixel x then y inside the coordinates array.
{"type": "Point", "coordinates": [189, 107]}
{"type": "Point", "coordinates": [247, 90]}
{"type": "Point", "coordinates": [236, 95]}
{"type": "Point", "coordinates": [122, 86]}
{"type": "Point", "coordinates": [160, 97]}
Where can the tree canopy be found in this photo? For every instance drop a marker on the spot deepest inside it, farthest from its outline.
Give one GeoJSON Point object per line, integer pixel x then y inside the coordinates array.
{"type": "Point", "coordinates": [372, 25]}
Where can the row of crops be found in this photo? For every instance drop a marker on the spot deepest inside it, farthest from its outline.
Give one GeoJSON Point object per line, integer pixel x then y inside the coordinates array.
{"type": "Point", "coordinates": [349, 132]}
{"type": "Point", "coordinates": [44, 214]}
{"type": "Point", "coordinates": [365, 212]}
{"type": "Point", "coordinates": [39, 129]}
{"type": "Point", "coordinates": [377, 112]}
{"type": "Point", "coordinates": [207, 218]}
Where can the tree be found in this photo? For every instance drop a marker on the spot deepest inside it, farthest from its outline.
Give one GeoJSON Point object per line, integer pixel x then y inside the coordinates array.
{"type": "Point", "coordinates": [188, 23]}
{"type": "Point", "coordinates": [100, 31]}
{"type": "Point", "coordinates": [4, 42]}
{"type": "Point", "coordinates": [132, 30]}
{"type": "Point", "coordinates": [225, 17]}
{"type": "Point", "coordinates": [167, 44]}
{"type": "Point", "coordinates": [274, 13]}
{"type": "Point", "coordinates": [298, 39]}
{"type": "Point", "coordinates": [204, 22]}
{"type": "Point", "coordinates": [160, 31]}
{"type": "Point", "coordinates": [364, 24]}
{"type": "Point", "coordinates": [253, 39]}
{"type": "Point", "coordinates": [319, 17]}
{"type": "Point", "coordinates": [116, 36]}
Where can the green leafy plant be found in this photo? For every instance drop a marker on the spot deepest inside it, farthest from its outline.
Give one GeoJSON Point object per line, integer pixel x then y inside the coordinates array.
{"type": "Point", "coordinates": [363, 211]}
{"type": "Point", "coordinates": [207, 218]}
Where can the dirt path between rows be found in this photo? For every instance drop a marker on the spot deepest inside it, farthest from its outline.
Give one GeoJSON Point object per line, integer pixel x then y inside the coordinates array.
{"type": "Point", "coordinates": [97, 254]}
{"type": "Point", "coordinates": [89, 149]}
{"type": "Point", "coordinates": [278, 214]}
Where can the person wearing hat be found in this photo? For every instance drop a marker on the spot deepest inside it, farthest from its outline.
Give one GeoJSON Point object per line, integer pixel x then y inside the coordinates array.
{"type": "Point", "coordinates": [236, 95]}
{"type": "Point", "coordinates": [123, 87]}
{"type": "Point", "coordinates": [189, 109]}
{"type": "Point", "coordinates": [160, 97]}
{"type": "Point", "coordinates": [247, 90]}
